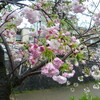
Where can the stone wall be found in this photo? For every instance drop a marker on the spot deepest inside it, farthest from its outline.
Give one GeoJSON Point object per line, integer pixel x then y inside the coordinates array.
{"type": "Point", "coordinates": [42, 82]}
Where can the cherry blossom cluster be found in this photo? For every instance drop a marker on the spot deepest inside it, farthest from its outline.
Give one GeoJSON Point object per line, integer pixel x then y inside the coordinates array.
{"type": "Point", "coordinates": [9, 33]}
{"type": "Point", "coordinates": [53, 68]}
{"type": "Point", "coordinates": [31, 15]}
{"type": "Point", "coordinates": [32, 53]}
{"type": "Point", "coordinates": [74, 5]}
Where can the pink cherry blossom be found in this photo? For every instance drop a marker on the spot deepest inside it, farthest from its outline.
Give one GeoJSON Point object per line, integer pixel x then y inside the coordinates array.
{"type": "Point", "coordinates": [77, 41]}
{"type": "Point", "coordinates": [36, 54]}
{"type": "Point", "coordinates": [68, 75]}
{"type": "Point", "coordinates": [76, 64]}
{"type": "Point", "coordinates": [17, 21]}
{"type": "Point", "coordinates": [73, 39]}
{"type": "Point", "coordinates": [47, 36]}
{"type": "Point", "coordinates": [31, 44]}
{"type": "Point", "coordinates": [60, 79]}
{"type": "Point", "coordinates": [35, 7]}
{"type": "Point", "coordinates": [71, 67]}
{"type": "Point", "coordinates": [63, 34]}
{"type": "Point", "coordinates": [34, 51]}
{"type": "Point", "coordinates": [49, 70]}
{"type": "Point", "coordinates": [31, 59]}
{"type": "Point", "coordinates": [9, 15]}
{"type": "Point", "coordinates": [42, 48]}
{"type": "Point", "coordinates": [54, 44]}
{"type": "Point", "coordinates": [32, 16]}
{"type": "Point", "coordinates": [96, 19]}
{"type": "Point", "coordinates": [36, 46]}
{"type": "Point", "coordinates": [79, 9]}
{"type": "Point", "coordinates": [20, 52]}
{"type": "Point", "coordinates": [76, 51]}
{"type": "Point", "coordinates": [18, 59]}
{"type": "Point", "coordinates": [57, 62]}
{"type": "Point", "coordinates": [67, 33]}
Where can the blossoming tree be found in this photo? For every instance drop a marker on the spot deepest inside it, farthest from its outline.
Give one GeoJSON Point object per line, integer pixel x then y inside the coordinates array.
{"type": "Point", "coordinates": [59, 45]}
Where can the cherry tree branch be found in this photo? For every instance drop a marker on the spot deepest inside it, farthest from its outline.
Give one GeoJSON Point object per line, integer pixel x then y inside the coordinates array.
{"type": "Point", "coordinates": [30, 74]}
{"type": "Point", "coordinates": [89, 45]}
{"type": "Point", "coordinates": [90, 39]}
{"type": "Point", "coordinates": [8, 52]}
{"type": "Point", "coordinates": [22, 62]}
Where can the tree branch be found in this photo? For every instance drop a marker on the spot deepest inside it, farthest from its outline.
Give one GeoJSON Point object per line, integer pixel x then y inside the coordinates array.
{"type": "Point", "coordinates": [8, 52]}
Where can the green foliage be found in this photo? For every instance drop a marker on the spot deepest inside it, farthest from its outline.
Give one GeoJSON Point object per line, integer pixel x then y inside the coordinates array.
{"type": "Point", "coordinates": [81, 1]}
{"type": "Point", "coordinates": [68, 2]}
{"type": "Point", "coordinates": [65, 67]}
{"type": "Point", "coordinates": [32, 29]}
{"type": "Point", "coordinates": [72, 98]}
{"type": "Point", "coordinates": [86, 97]}
{"type": "Point", "coordinates": [67, 38]}
{"type": "Point", "coordinates": [50, 23]}
{"type": "Point", "coordinates": [26, 46]}
{"type": "Point", "coordinates": [75, 45]}
{"type": "Point", "coordinates": [80, 56]}
{"type": "Point", "coordinates": [48, 54]}
{"type": "Point", "coordinates": [9, 7]}
{"type": "Point", "coordinates": [43, 40]}
{"type": "Point", "coordinates": [86, 70]}
{"type": "Point", "coordinates": [54, 16]}
{"type": "Point", "coordinates": [10, 26]}
{"type": "Point", "coordinates": [64, 23]}
{"type": "Point", "coordinates": [46, 5]}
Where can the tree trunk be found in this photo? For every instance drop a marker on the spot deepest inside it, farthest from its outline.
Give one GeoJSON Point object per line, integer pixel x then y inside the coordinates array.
{"type": "Point", "coordinates": [4, 90]}
{"type": "Point", "coordinates": [5, 87]}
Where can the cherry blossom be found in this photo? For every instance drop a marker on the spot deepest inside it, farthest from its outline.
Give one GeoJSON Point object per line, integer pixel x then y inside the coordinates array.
{"type": "Point", "coordinates": [96, 75]}
{"type": "Point", "coordinates": [49, 70]}
{"type": "Point", "coordinates": [79, 9]}
{"type": "Point", "coordinates": [32, 16]}
{"type": "Point", "coordinates": [60, 79]}
{"type": "Point", "coordinates": [68, 75]}
{"type": "Point", "coordinates": [96, 19]}
{"type": "Point", "coordinates": [57, 62]}
{"type": "Point", "coordinates": [42, 48]}
{"type": "Point", "coordinates": [9, 15]}
{"type": "Point", "coordinates": [73, 39]}
{"type": "Point", "coordinates": [54, 44]}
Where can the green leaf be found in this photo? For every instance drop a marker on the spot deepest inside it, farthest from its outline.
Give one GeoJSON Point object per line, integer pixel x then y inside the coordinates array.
{"type": "Point", "coordinates": [48, 54]}
{"type": "Point", "coordinates": [50, 23]}
{"type": "Point", "coordinates": [72, 98]}
{"type": "Point", "coordinates": [32, 29]}
{"type": "Point", "coordinates": [65, 67]}
{"type": "Point", "coordinates": [54, 16]}
{"type": "Point", "coordinates": [68, 2]}
{"type": "Point", "coordinates": [80, 56]}
{"type": "Point", "coordinates": [74, 45]}
{"type": "Point", "coordinates": [67, 38]}
{"type": "Point", "coordinates": [10, 26]}
{"type": "Point", "coordinates": [63, 22]}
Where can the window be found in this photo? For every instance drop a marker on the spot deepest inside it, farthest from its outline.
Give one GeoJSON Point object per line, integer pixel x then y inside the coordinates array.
{"type": "Point", "coordinates": [19, 35]}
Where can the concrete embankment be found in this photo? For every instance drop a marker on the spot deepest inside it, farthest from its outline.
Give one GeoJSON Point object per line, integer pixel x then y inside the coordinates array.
{"type": "Point", "coordinates": [62, 93]}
